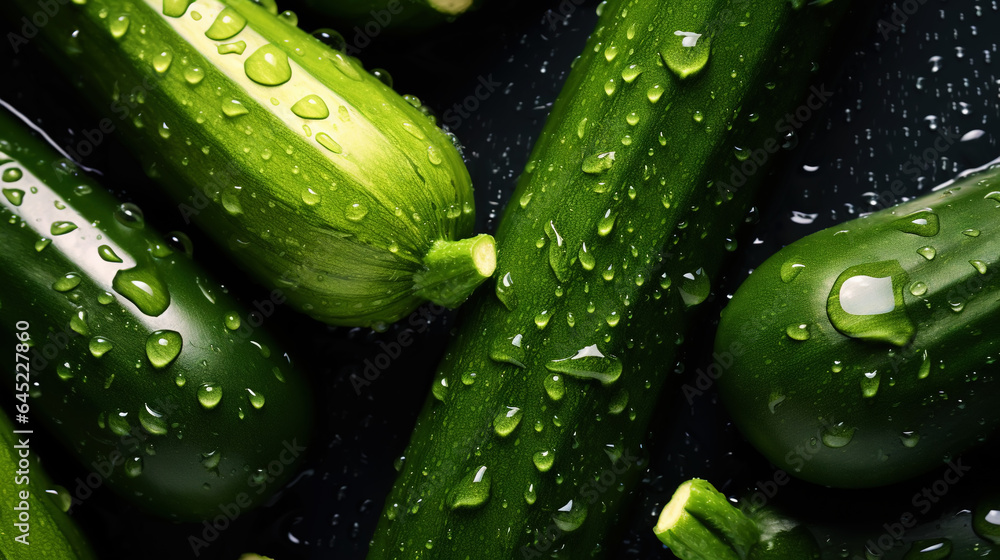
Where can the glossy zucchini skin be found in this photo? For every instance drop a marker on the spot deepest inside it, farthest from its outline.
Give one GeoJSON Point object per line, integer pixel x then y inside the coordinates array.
{"type": "Point", "coordinates": [46, 531]}
{"type": "Point", "coordinates": [532, 437]}
{"type": "Point", "coordinates": [872, 344]}
{"type": "Point", "coordinates": [164, 387]}
{"type": "Point", "coordinates": [320, 179]}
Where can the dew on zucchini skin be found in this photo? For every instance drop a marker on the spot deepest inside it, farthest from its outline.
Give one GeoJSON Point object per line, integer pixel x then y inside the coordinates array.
{"type": "Point", "coordinates": [119, 26]}
{"type": "Point", "coordinates": [923, 223]}
{"type": "Point", "coordinates": [256, 398]}
{"type": "Point", "coordinates": [506, 421]}
{"type": "Point", "coordinates": [909, 438]}
{"type": "Point", "coordinates": [130, 216]}
{"type": "Point", "coordinates": [311, 107]}
{"type": "Point", "coordinates": [598, 163]}
{"type": "Point", "coordinates": [194, 75]}
{"type": "Point", "coordinates": [473, 491]}
{"type": "Point", "coordinates": [530, 495]}
{"type": "Point", "coordinates": [694, 287]}
{"type": "Point", "coordinates": [929, 549]}
{"type": "Point", "coordinates": [798, 331]}
{"type": "Point", "coordinates": [504, 290]}
{"type": "Point", "coordinates": [268, 66]}
{"type": "Point", "coordinates": [544, 460]}
{"type": "Point", "coordinates": [837, 435]}
{"type": "Point", "coordinates": [870, 382]}
{"type": "Point", "coordinates": [163, 347]}
{"type": "Point", "coordinates": [355, 212]}
{"type": "Point", "coordinates": [175, 8]}
{"type": "Point", "coordinates": [108, 254]}
{"type": "Point", "coordinates": [329, 143]}
{"type": "Point", "coordinates": [14, 196]}
{"type": "Point", "coordinates": [233, 108]}
{"type": "Point", "coordinates": [152, 421]}
{"type": "Point", "coordinates": [62, 228]}
{"type": "Point", "coordinates": [791, 269]}
{"type": "Point", "coordinates": [588, 363]}
{"type": "Point", "coordinates": [11, 175]}
{"type": "Point", "coordinates": [227, 25]}
{"type": "Point", "coordinates": [571, 516]}
{"type": "Point", "coordinates": [686, 53]}
{"type": "Point", "coordinates": [67, 282]}
{"type": "Point", "coordinates": [162, 61]}
{"type": "Point", "coordinates": [236, 48]}
{"type": "Point", "coordinates": [65, 371]}
{"type": "Point", "coordinates": [554, 386]}
{"type": "Point", "coordinates": [209, 395]}
{"type": "Point", "coordinates": [508, 350]}
{"type": "Point", "coordinates": [99, 346]}
{"type": "Point", "coordinates": [133, 467]}
{"type": "Point", "coordinates": [144, 288]}
{"type": "Point", "coordinates": [927, 252]}
{"type": "Point", "coordinates": [586, 258]}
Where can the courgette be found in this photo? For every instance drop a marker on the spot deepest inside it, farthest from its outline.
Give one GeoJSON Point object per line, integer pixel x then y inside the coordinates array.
{"type": "Point", "coordinates": [533, 433]}
{"type": "Point", "coordinates": [163, 386]}
{"type": "Point", "coordinates": [699, 523]}
{"type": "Point", "coordinates": [321, 180]}
{"type": "Point", "coordinates": [873, 342]}
{"type": "Point", "coordinates": [33, 520]}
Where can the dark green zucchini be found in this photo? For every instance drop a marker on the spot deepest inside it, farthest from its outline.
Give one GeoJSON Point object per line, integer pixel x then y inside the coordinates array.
{"type": "Point", "coordinates": [872, 345]}
{"type": "Point", "coordinates": [533, 434]}
{"type": "Point", "coordinates": [320, 179]}
{"type": "Point", "coordinates": [163, 386]}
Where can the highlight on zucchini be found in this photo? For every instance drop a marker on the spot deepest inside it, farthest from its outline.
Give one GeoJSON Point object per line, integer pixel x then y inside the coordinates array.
{"type": "Point", "coordinates": [321, 180]}
{"type": "Point", "coordinates": [876, 339]}
{"type": "Point", "coordinates": [142, 366]}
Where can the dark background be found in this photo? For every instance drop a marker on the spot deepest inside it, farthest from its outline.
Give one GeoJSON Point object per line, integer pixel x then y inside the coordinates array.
{"type": "Point", "coordinates": [892, 100]}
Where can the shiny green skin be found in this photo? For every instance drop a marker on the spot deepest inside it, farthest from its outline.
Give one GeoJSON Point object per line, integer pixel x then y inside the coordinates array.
{"type": "Point", "coordinates": [52, 533]}
{"type": "Point", "coordinates": [246, 179]}
{"type": "Point", "coordinates": [950, 405]}
{"type": "Point", "coordinates": [100, 412]}
{"type": "Point", "coordinates": [594, 430]}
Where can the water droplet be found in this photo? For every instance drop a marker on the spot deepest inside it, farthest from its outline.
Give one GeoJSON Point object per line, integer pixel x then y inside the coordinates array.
{"type": "Point", "coordinates": [558, 256]}
{"type": "Point", "coordinates": [99, 346]}
{"type": "Point", "coordinates": [609, 87]}
{"type": "Point", "coordinates": [162, 347]}
{"type": "Point", "coordinates": [15, 196]}
{"type": "Point", "coordinates": [866, 302]}
{"type": "Point", "coordinates": [434, 155]}
{"type": "Point", "coordinates": [929, 549]}
{"type": "Point", "coordinates": [329, 143]}
{"type": "Point", "coordinates": [918, 289]}
{"type": "Point", "coordinates": [67, 282]}
{"type": "Point", "coordinates": [654, 93]}
{"type": "Point", "coordinates": [630, 73]}
{"type": "Point", "coordinates": [162, 61]}
{"type": "Point", "coordinates": [508, 350]}
{"type": "Point", "coordinates": [130, 216]}
{"type": "Point", "coordinates": [790, 269]}
{"type": "Point", "coordinates": [925, 366]}
{"type": "Point", "coordinates": [837, 435]}
{"type": "Point", "coordinates": [61, 228]}
{"type": "Point", "coordinates": [133, 467]}
{"type": "Point", "coordinates": [606, 223]}
{"type": "Point", "coordinates": [119, 26]}
{"type": "Point", "coordinates": [209, 395]}
{"type": "Point", "coordinates": [256, 399]}
{"type": "Point", "coordinates": [632, 118]}
{"type": "Point", "coordinates": [686, 53]}
{"type": "Point", "coordinates": [986, 518]}
{"type": "Point", "coordinates": [311, 107]}
{"type": "Point", "coordinates": [472, 491]}
{"type": "Point", "coordinates": [268, 66]}
{"type": "Point", "coordinates": [923, 223]}
{"type": "Point", "coordinates": [530, 495]}
{"type": "Point", "coordinates": [144, 288]}
{"type": "Point", "coordinates": [79, 324]}
{"type": "Point", "coordinates": [909, 438]}
{"type": "Point", "coordinates": [589, 363]}
{"type": "Point", "coordinates": [542, 319]}
{"type": "Point", "coordinates": [595, 164]}
{"type": "Point", "coordinates": [927, 252]}
{"type": "Point", "coordinates": [869, 384]}
{"type": "Point", "coordinates": [236, 48]}
{"type": "Point", "coordinates": [356, 212]}
{"type": "Point", "coordinates": [543, 460]}
{"type": "Point", "coordinates": [152, 420]}
{"type": "Point", "coordinates": [175, 8]}
{"type": "Point", "coordinates": [507, 421]}
{"type": "Point", "coordinates": [798, 331]}
{"type": "Point", "coordinates": [971, 232]}
{"type": "Point", "coordinates": [587, 260]}
{"type": "Point", "coordinates": [233, 108]}
{"type": "Point", "coordinates": [505, 291]}
{"type": "Point", "coordinates": [979, 265]}
{"type": "Point", "coordinates": [65, 371]}
{"type": "Point", "coordinates": [226, 26]}
{"type": "Point", "coordinates": [108, 254]}
{"type": "Point", "coordinates": [694, 287]}
{"type": "Point", "coordinates": [571, 516]}
{"type": "Point", "coordinates": [554, 386]}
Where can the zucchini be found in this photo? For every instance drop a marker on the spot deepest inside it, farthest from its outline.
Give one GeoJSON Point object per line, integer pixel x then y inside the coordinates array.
{"type": "Point", "coordinates": [319, 178]}
{"type": "Point", "coordinates": [533, 431]}
{"type": "Point", "coordinates": [164, 388]}
{"type": "Point", "coordinates": [699, 523]}
{"type": "Point", "coordinates": [33, 521]}
{"type": "Point", "coordinates": [857, 377]}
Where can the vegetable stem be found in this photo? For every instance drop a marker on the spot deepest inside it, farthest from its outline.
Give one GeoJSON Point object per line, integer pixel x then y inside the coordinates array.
{"type": "Point", "coordinates": [699, 523]}
{"type": "Point", "coordinates": [453, 269]}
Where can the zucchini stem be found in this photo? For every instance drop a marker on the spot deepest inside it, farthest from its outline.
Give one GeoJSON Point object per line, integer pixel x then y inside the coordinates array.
{"type": "Point", "coordinates": [453, 269]}
{"type": "Point", "coordinates": [699, 523]}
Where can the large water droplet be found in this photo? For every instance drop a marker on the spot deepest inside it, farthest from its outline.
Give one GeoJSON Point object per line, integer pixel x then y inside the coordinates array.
{"type": "Point", "coordinates": [15, 196]}
{"type": "Point", "coordinates": [61, 228]}
{"type": "Point", "coordinates": [589, 363]}
{"type": "Point", "coordinates": [162, 61]}
{"type": "Point", "coordinates": [544, 460]}
{"type": "Point", "coordinates": [256, 399]}
{"type": "Point", "coordinates": [143, 287]}
{"type": "Point", "coordinates": [472, 491]}
{"type": "Point", "coordinates": [587, 260]}
{"type": "Point", "coordinates": [268, 66]}
{"type": "Point", "coordinates": [508, 350]}
{"type": "Point", "coordinates": [329, 143]}
{"type": "Point", "coordinates": [152, 420]}
{"type": "Point", "coordinates": [909, 438]}
{"type": "Point", "coordinates": [130, 216]}
{"type": "Point", "coordinates": [108, 254]}
{"type": "Point", "coordinates": [505, 291]}
{"type": "Point", "coordinates": [119, 26]}
{"type": "Point", "coordinates": [606, 223]}
{"type": "Point", "coordinates": [234, 108]}
{"type": "Point", "coordinates": [507, 421]}
{"type": "Point", "coordinates": [866, 302]}
{"type": "Point", "coordinates": [558, 257]}
{"type": "Point", "coordinates": [571, 516]}
{"type": "Point", "coordinates": [686, 53]}
{"type": "Point", "coordinates": [554, 386]}
{"type": "Point", "coordinates": [791, 269]}
{"type": "Point", "coordinates": [870, 382]}
{"type": "Point", "coordinates": [209, 395]}
{"type": "Point", "coordinates": [133, 467]}
{"type": "Point", "coordinates": [67, 282]}
{"type": "Point", "coordinates": [694, 287]}
{"type": "Point", "coordinates": [595, 164]}
{"type": "Point", "coordinates": [355, 212]}
{"type": "Point", "coordinates": [99, 346]}
{"type": "Point", "coordinates": [530, 495]}
{"type": "Point", "coordinates": [311, 107]}
{"type": "Point", "coordinates": [162, 347]}
{"type": "Point", "coordinates": [226, 25]}
{"type": "Point", "coordinates": [837, 435]}
{"type": "Point", "coordinates": [175, 8]}
{"type": "Point", "coordinates": [798, 331]}
{"type": "Point", "coordinates": [924, 223]}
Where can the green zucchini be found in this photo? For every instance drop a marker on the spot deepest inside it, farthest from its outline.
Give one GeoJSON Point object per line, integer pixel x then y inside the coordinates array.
{"type": "Point", "coordinates": [873, 343]}
{"type": "Point", "coordinates": [372, 17]}
{"type": "Point", "coordinates": [165, 389]}
{"type": "Point", "coordinates": [699, 523]}
{"type": "Point", "coordinates": [33, 521]}
{"type": "Point", "coordinates": [533, 432]}
{"type": "Point", "coordinates": [320, 179]}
